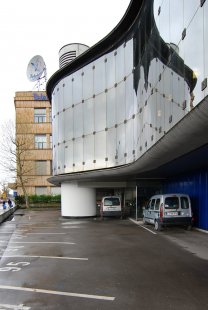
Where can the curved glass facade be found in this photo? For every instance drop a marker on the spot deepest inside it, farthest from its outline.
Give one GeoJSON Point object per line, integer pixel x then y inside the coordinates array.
{"type": "Point", "coordinates": [114, 109]}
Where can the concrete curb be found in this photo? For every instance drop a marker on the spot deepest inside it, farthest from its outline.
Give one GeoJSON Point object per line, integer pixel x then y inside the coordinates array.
{"type": "Point", "coordinates": [7, 213]}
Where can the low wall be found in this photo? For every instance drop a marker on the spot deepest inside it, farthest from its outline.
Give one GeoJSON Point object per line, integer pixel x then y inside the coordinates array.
{"type": "Point", "coordinates": [7, 213]}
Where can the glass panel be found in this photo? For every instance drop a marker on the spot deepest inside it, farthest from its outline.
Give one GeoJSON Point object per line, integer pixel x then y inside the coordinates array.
{"type": "Point", "coordinates": [78, 154]}
{"type": "Point", "coordinates": [190, 8]}
{"type": "Point", "coordinates": [69, 124]}
{"type": "Point", "coordinates": [120, 103]}
{"type": "Point", "coordinates": [100, 112]}
{"type": "Point", "coordinates": [111, 107]}
{"type": "Point", "coordinates": [120, 144]}
{"type": "Point", "coordinates": [110, 66]}
{"type": "Point", "coordinates": [162, 21]}
{"type": "Point", "coordinates": [61, 127]}
{"type": "Point", "coordinates": [69, 156]}
{"type": "Point", "coordinates": [78, 120]}
{"type": "Point", "coordinates": [194, 60]}
{"type": "Point", "coordinates": [120, 64]}
{"type": "Point", "coordinates": [68, 92]}
{"type": "Point", "coordinates": [128, 57]}
{"type": "Point", "coordinates": [77, 87]}
{"type": "Point", "coordinates": [54, 104]}
{"type": "Point", "coordinates": [54, 161]}
{"type": "Point", "coordinates": [61, 159]}
{"type": "Point", "coordinates": [89, 152]}
{"type": "Point", "coordinates": [111, 146]}
{"type": "Point", "coordinates": [100, 149]}
{"type": "Point", "coordinates": [99, 76]}
{"type": "Point", "coordinates": [205, 12]}
{"type": "Point", "coordinates": [130, 106]}
{"type": "Point", "coordinates": [60, 92]}
{"type": "Point", "coordinates": [69, 151]}
{"type": "Point", "coordinates": [129, 139]}
{"type": "Point", "coordinates": [88, 81]}
{"type": "Point", "coordinates": [88, 118]}
{"type": "Point", "coordinates": [175, 21]}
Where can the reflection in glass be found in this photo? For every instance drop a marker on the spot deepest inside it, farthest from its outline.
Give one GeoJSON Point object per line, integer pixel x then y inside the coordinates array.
{"type": "Point", "coordinates": [111, 111]}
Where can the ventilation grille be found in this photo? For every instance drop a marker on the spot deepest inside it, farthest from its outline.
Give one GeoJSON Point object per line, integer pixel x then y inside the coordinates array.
{"type": "Point", "coordinates": [66, 58]}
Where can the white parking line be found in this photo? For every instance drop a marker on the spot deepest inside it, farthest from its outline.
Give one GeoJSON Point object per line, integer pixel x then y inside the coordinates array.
{"type": "Point", "coordinates": [39, 242]}
{"type": "Point", "coordinates": [140, 225]}
{"type": "Point", "coordinates": [14, 307]}
{"type": "Point", "coordinates": [55, 257]}
{"type": "Point", "coordinates": [17, 232]}
{"type": "Point", "coordinates": [69, 294]}
{"type": "Point", "coordinates": [46, 233]}
{"type": "Point", "coordinates": [73, 223]}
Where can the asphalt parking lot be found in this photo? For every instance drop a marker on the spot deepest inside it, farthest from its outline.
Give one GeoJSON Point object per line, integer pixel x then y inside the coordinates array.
{"type": "Point", "coordinates": [48, 262]}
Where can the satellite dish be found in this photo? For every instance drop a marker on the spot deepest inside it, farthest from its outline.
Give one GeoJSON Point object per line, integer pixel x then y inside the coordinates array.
{"type": "Point", "coordinates": [35, 68]}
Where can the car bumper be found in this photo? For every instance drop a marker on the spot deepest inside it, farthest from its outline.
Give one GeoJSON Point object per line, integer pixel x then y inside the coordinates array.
{"type": "Point", "coordinates": [183, 221]}
{"type": "Point", "coordinates": [111, 213]}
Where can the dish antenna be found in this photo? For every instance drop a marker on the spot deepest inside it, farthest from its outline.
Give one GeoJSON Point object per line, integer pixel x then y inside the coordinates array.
{"type": "Point", "coordinates": [36, 71]}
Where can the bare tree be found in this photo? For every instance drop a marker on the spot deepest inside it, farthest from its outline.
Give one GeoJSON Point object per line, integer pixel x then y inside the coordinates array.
{"type": "Point", "coordinates": [15, 151]}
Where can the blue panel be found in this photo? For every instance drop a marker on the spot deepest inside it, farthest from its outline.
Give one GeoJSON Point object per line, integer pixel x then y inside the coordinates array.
{"type": "Point", "coordinates": [195, 185]}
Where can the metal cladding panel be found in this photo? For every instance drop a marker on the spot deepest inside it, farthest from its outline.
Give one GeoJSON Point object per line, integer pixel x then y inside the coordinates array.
{"type": "Point", "coordinates": [195, 185]}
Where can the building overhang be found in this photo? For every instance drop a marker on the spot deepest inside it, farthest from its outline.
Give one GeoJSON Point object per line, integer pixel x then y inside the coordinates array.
{"type": "Point", "coordinates": [184, 144]}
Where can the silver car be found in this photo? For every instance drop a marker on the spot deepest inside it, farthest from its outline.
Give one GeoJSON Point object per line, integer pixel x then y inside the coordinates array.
{"type": "Point", "coordinates": [168, 209]}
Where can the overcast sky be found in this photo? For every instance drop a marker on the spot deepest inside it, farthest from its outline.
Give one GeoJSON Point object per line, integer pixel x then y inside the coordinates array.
{"type": "Point", "coordinates": [29, 28]}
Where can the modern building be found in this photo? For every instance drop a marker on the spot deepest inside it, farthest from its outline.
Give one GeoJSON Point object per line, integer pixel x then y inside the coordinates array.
{"type": "Point", "coordinates": [33, 125]}
{"type": "Point", "coordinates": [69, 52]}
{"type": "Point", "coordinates": [130, 114]}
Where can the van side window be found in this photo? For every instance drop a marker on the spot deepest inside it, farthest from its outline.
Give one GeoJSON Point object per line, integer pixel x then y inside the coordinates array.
{"type": "Point", "coordinates": [184, 203]}
{"type": "Point", "coordinates": [171, 203]}
{"type": "Point", "coordinates": [148, 205]}
{"type": "Point", "coordinates": [157, 204]}
{"type": "Point", "coordinates": [152, 204]}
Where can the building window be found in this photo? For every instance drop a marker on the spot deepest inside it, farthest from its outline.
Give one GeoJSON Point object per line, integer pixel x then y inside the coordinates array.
{"type": "Point", "coordinates": [41, 167]}
{"type": "Point", "coordinates": [51, 142]}
{"type": "Point", "coordinates": [40, 115]}
{"type": "Point", "coordinates": [41, 190]}
{"type": "Point", "coordinates": [40, 142]}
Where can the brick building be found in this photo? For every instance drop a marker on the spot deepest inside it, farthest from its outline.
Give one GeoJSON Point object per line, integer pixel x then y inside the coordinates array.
{"type": "Point", "coordinates": [33, 123]}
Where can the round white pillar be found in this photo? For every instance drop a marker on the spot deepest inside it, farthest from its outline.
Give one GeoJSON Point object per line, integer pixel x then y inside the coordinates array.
{"type": "Point", "coordinates": [77, 201]}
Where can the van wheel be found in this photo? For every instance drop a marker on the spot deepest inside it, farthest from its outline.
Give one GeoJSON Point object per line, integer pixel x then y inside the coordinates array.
{"type": "Point", "coordinates": [157, 226]}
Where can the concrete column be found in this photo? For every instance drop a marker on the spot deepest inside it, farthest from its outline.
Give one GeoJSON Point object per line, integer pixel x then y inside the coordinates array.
{"type": "Point", "coordinates": [77, 201]}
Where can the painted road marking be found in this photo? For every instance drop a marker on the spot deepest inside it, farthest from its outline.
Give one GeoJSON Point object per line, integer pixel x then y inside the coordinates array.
{"type": "Point", "coordinates": [73, 223]}
{"type": "Point", "coordinates": [33, 256]}
{"type": "Point", "coordinates": [139, 224]}
{"type": "Point", "coordinates": [38, 242]}
{"type": "Point", "coordinates": [14, 307]}
{"type": "Point", "coordinates": [69, 294]}
{"type": "Point", "coordinates": [15, 233]}
{"type": "Point", "coordinates": [46, 233]}
{"type": "Point", "coordinates": [70, 227]}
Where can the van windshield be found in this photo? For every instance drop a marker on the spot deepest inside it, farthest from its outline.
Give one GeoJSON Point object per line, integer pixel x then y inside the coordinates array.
{"type": "Point", "coordinates": [112, 201]}
{"type": "Point", "coordinates": [171, 203]}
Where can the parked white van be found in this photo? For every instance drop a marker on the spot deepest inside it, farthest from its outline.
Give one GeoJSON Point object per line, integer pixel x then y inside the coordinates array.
{"type": "Point", "coordinates": [110, 206]}
{"type": "Point", "coordinates": [168, 209]}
